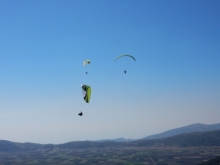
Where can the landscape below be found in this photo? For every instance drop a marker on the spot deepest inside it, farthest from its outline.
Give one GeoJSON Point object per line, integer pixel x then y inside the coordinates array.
{"type": "Point", "coordinates": [183, 149]}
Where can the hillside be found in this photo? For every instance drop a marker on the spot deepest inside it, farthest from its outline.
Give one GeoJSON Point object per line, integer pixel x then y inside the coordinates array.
{"type": "Point", "coordinates": [116, 140]}
{"type": "Point", "coordinates": [215, 161]}
{"type": "Point", "coordinates": [211, 138]}
{"type": "Point", "coordinates": [13, 146]}
{"type": "Point", "coordinates": [186, 129]}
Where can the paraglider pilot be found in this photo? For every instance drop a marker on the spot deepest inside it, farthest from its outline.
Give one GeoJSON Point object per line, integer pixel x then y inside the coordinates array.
{"type": "Point", "coordinates": [125, 71]}
{"type": "Point", "coordinates": [80, 114]}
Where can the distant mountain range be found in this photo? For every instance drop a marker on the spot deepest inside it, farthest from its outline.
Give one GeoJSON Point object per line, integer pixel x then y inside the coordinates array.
{"type": "Point", "coordinates": [186, 129]}
{"type": "Point", "coordinates": [210, 138]}
{"type": "Point", "coordinates": [192, 135]}
{"type": "Point", "coordinates": [177, 131]}
{"type": "Point", "coordinates": [116, 140]}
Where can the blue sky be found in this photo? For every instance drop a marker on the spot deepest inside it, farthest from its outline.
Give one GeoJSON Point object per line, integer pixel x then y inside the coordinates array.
{"type": "Point", "coordinates": [174, 82]}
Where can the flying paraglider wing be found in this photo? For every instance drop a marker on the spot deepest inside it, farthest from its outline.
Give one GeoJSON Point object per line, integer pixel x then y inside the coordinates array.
{"type": "Point", "coordinates": [124, 55]}
{"type": "Point", "coordinates": [86, 93]}
{"type": "Point", "coordinates": [86, 62]}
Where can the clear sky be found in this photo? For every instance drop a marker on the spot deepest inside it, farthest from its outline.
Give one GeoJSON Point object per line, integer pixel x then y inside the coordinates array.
{"type": "Point", "coordinates": [174, 82]}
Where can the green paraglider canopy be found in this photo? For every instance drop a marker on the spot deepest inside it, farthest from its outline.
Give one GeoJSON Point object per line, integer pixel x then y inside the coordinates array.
{"type": "Point", "coordinates": [124, 55]}
{"type": "Point", "coordinates": [86, 62]}
{"type": "Point", "coordinates": [86, 93]}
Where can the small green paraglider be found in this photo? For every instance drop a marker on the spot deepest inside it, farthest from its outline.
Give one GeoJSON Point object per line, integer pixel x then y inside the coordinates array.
{"type": "Point", "coordinates": [86, 90]}
{"type": "Point", "coordinates": [86, 93]}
